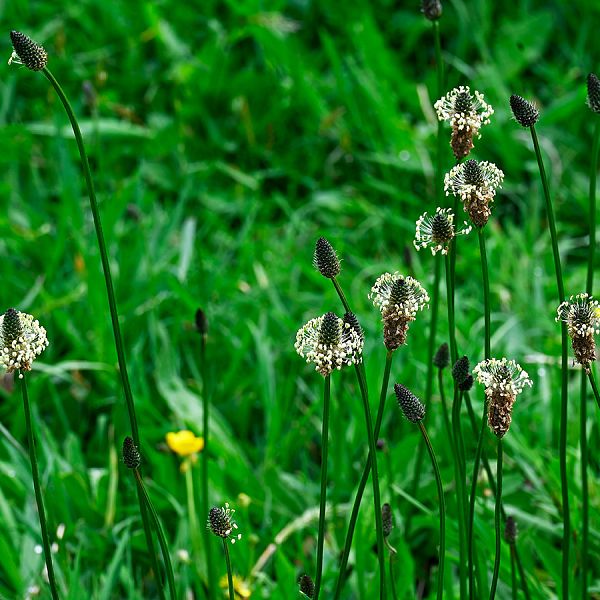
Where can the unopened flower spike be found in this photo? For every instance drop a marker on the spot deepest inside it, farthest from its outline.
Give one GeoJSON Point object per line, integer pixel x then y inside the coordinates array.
{"type": "Point", "coordinates": [329, 343]}
{"type": "Point", "coordinates": [503, 381]}
{"type": "Point", "coordinates": [475, 183]}
{"type": "Point", "coordinates": [411, 406]}
{"type": "Point", "coordinates": [432, 9]}
{"type": "Point", "coordinates": [307, 587]}
{"type": "Point", "coordinates": [26, 52]}
{"type": "Point", "coordinates": [511, 531]}
{"type": "Point", "coordinates": [593, 93]}
{"type": "Point", "coordinates": [399, 299]}
{"type": "Point", "coordinates": [437, 231]}
{"type": "Point", "coordinates": [525, 112]}
{"type": "Point", "coordinates": [581, 313]}
{"type": "Point", "coordinates": [387, 518]}
{"type": "Point", "coordinates": [325, 259]}
{"type": "Point", "coordinates": [466, 113]}
{"type": "Point", "coordinates": [441, 358]}
{"type": "Point", "coordinates": [222, 524]}
{"type": "Point", "coordinates": [22, 340]}
{"type": "Point", "coordinates": [131, 454]}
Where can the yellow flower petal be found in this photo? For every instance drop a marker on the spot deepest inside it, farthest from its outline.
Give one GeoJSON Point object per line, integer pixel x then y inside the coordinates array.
{"type": "Point", "coordinates": [184, 442]}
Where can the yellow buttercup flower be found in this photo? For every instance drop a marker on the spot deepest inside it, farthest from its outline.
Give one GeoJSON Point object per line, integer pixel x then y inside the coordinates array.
{"type": "Point", "coordinates": [240, 586]}
{"type": "Point", "coordinates": [184, 442]}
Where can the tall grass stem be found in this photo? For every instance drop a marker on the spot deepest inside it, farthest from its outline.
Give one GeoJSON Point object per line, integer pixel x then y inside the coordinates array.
{"type": "Point", "coordinates": [38, 490]}
{"type": "Point", "coordinates": [497, 521]}
{"type": "Point", "coordinates": [229, 573]}
{"type": "Point", "coordinates": [513, 574]}
{"type": "Point", "coordinates": [442, 505]}
{"type": "Point", "coordinates": [323, 497]}
{"type": "Point", "coordinates": [592, 380]}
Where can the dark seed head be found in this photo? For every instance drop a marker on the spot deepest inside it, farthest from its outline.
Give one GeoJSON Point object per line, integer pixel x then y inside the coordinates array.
{"type": "Point", "coordinates": [593, 89]}
{"type": "Point", "coordinates": [32, 55]}
{"type": "Point", "coordinates": [325, 259]}
{"type": "Point", "coordinates": [463, 102]}
{"type": "Point", "coordinates": [411, 406]}
{"type": "Point", "coordinates": [201, 322]}
{"type": "Point", "coordinates": [442, 228]}
{"type": "Point", "coordinates": [350, 319]}
{"type": "Point", "coordinates": [472, 173]}
{"type": "Point", "coordinates": [387, 519]}
{"type": "Point", "coordinates": [380, 444]}
{"type": "Point", "coordinates": [400, 291]}
{"type": "Point", "coordinates": [219, 522]}
{"type": "Point", "coordinates": [441, 358]}
{"type": "Point", "coordinates": [131, 455]}
{"type": "Point", "coordinates": [461, 370]}
{"type": "Point", "coordinates": [511, 530]}
{"type": "Point", "coordinates": [11, 327]}
{"type": "Point", "coordinates": [329, 334]}
{"type": "Point", "coordinates": [466, 384]}
{"type": "Point", "coordinates": [307, 587]}
{"type": "Point", "coordinates": [432, 9]}
{"type": "Point", "coordinates": [524, 111]}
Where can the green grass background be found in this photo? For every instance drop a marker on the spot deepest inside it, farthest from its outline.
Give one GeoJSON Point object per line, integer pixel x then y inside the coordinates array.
{"type": "Point", "coordinates": [225, 138]}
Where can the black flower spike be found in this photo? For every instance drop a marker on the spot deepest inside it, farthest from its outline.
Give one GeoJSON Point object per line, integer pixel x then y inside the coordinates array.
{"type": "Point", "coordinates": [325, 259]}
{"type": "Point", "coordinates": [461, 370]}
{"type": "Point", "coordinates": [350, 319]}
{"type": "Point", "coordinates": [524, 111]}
{"type": "Point", "coordinates": [329, 335]}
{"type": "Point", "coordinates": [472, 173]}
{"type": "Point", "coordinates": [28, 53]}
{"type": "Point", "coordinates": [219, 522]}
{"type": "Point", "coordinates": [467, 384]}
{"type": "Point", "coordinates": [131, 455]}
{"type": "Point", "coordinates": [307, 587]}
{"type": "Point", "coordinates": [432, 9]}
{"type": "Point", "coordinates": [593, 89]}
{"type": "Point", "coordinates": [511, 530]}
{"type": "Point", "coordinates": [11, 327]}
{"type": "Point", "coordinates": [387, 519]}
{"type": "Point", "coordinates": [441, 358]}
{"type": "Point", "coordinates": [201, 322]}
{"type": "Point", "coordinates": [411, 406]}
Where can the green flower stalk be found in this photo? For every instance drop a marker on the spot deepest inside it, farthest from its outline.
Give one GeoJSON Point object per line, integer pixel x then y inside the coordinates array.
{"type": "Point", "coordinates": [22, 340]}
{"type": "Point", "coordinates": [414, 411]}
{"type": "Point", "coordinates": [35, 58]}
{"type": "Point", "coordinates": [503, 381]}
{"type": "Point", "coordinates": [222, 524]}
{"type": "Point", "coordinates": [132, 460]}
{"type": "Point", "coordinates": [527, 115]}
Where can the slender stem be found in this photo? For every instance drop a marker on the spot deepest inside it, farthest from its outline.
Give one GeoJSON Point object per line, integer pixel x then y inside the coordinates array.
{"type": "Point", "coordinates": [497, 522]}
{"type": "Point", "coordinates": [590, 375]}
{"type": "Point", "coordinates": [206, 434]}
{"type": "Point", "coordinates": [38, 490]}
{"type": "Point", "coordinates": [592, 218]}
{"type": "Point", "coordinates": [159, 532]}
{"type": "Point", "coordinates": [486, 293]}
{"type": "Point", "coordinates": [110, 292]}
{"type": "Point", "coordinates": [323, 499]}
{"type": "Point", "coordinates": [338, 289]}
{"type": "Point", "coordinates": [566, 542]}
{"type": "Point", "coordinates": [440, 489]}
{"type": "Point", "coordinates": [375, 480]}
{"type": "Point", "coordinates": [229, 573]}
{"type": "Point", "coordinates": [513, 573]}
{"type": "Point", "coordinates": [450, 303]}
{"type": "Point", "coordinates": [191, 507]}
{"type": "Point", "coordinates": [392, 577]}
{"type": "Point", "coordinates": [524, 586]}
{"type": "Point", "coordinates": [363, 481]}
{"type": "Point", "coordinates": [445, 412]}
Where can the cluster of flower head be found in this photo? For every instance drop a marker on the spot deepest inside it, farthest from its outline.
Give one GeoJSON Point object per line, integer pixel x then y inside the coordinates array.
{"type": "Point", "coordinates": [22, 340]}
{"type": "Point", "coordinates": [475, 183]}
{"type": "Point", "coordinates": [26, 52]}
{"type": "Point", "coordinates": [399, 299]}
{"type": "Point", "coordinates": [330, 342]}
{"type": "Point", "coordinates": [437, 231]}
{"type": "Point", "coordinates": [503, 380]}
{"type": "Point", "coordinates": [221, 523]}
{"type": "Point", "coordinates": [581, 313]}
{"type": "Point", "coordinates": [466, 114]}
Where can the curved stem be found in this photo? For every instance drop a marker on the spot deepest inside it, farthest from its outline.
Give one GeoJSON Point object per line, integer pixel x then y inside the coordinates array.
{"type": "Point", "coordinates": [338, 289]}
{"type": "Point", "coordinates": [440, 489]}
{"type": "Point", "coordinates": [37, 489]}
{"type": "Point", "coordinates": [323, 498]}
{"type": "Point", "coordinates": [363, 481]}
{"type": "Point", "coordinates": [497, 522]}
{"type": "Point", "coordinates": [566, 541]}
{"type": "Point", "coordinates": [590, 375]}
{"type": "Point", "coordinates": [513, 573]}
{"type": "Point", "coordinates": [159, 532]}
{"type": "Point", "coordinates": [112, 304]}
{"type": "Point", "coordinates": [229, 573]}
{"type": "Point", "coordinates": [592, 214]}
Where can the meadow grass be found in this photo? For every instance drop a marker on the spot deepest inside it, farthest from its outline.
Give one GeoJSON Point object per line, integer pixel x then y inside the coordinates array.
{"type": "Point", "coordinates": [224, 141]}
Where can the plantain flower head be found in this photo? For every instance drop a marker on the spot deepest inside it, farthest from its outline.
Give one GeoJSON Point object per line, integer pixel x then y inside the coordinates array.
{"type": "Point", "coordinates": [222, 524]}
{"type": "Point", "coordinates": [503, 381]}
{"type": "Point", "coordinates": [26, 52]}
{"type": "Point", "coordinates": [475, 183]}
{"type": "Point", "coordinates": [22, 340]}
{"type": "Point", "coordinates": [581, 313]}
{"type": "Point", "coordinates": [330, 343]}
{"type": "Point", "coordinates": [466, 114]}
{"type": "Point", "coordinates": [399, 299]}
{"type": "Point", "coordinates": [437, 231]}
